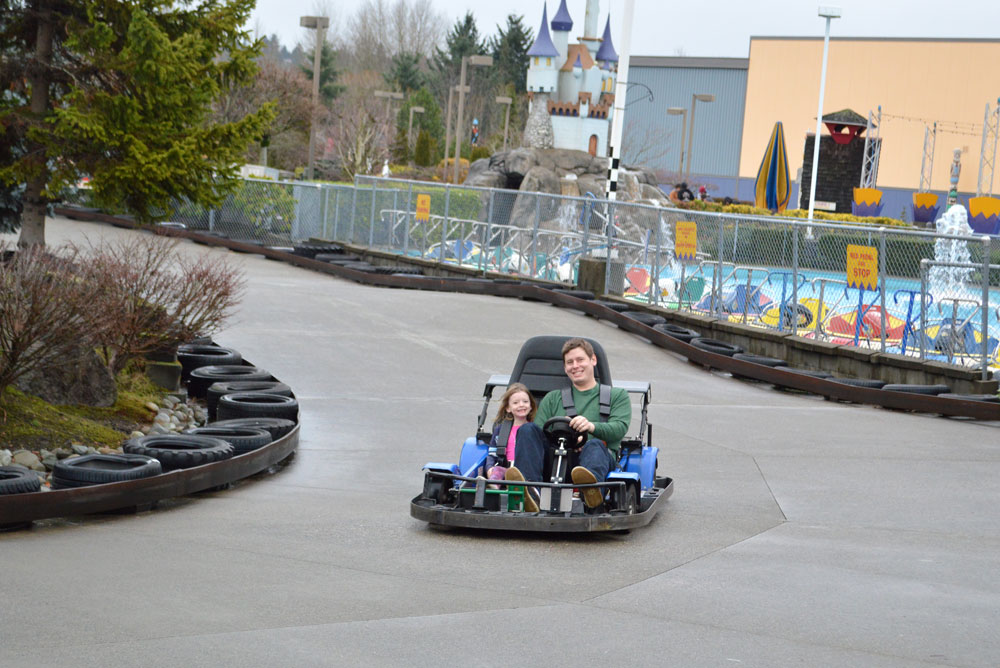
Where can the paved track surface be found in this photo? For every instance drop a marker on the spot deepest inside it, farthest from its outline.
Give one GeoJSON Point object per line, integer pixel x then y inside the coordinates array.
{"type": "Point", "coordinates": [802, 532]}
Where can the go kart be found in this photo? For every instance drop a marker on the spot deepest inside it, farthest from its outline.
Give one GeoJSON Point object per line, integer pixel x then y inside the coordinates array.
{"type": "Point", "coordinates": [458, 495]}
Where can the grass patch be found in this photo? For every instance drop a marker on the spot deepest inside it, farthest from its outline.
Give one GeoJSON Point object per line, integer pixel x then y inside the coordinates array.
{"type": "Point", "coordinates": [29, 423]}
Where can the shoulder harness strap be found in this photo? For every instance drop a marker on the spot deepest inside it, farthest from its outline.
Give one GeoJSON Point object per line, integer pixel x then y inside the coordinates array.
{"type": "Point", "coordinates": [502, 437]}
{"type": "Point", "coordinates": [604, 397]}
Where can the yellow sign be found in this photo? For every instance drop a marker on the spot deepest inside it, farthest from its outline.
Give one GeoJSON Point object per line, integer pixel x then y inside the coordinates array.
{"type": "Point", "coordinates": [862, 266]}
{"type": "Point", "coordinates": [686, 240]}
{"type": "Point", "coordinates": [423, 208]}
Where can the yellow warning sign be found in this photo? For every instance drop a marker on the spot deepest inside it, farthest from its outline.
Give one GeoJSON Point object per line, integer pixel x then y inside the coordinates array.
{"type": "Point", "coordinates": [862, 266]}
{"type": "Point", "coordinates": [686, 240]}
{"type": "Point", "coordinates": [423, 208]}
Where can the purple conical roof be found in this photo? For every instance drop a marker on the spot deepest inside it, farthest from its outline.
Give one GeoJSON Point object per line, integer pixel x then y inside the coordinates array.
{"type": "Point", "coordinates": [562, 21]}
{"type": "Point", "coordinates": [607, 50]}
{"type": "Point", "coordinates": [543, 46]}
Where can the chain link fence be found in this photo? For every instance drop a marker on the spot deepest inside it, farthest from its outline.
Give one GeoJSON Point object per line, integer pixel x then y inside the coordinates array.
{"type": "Point", "coordinates": [928, 295]}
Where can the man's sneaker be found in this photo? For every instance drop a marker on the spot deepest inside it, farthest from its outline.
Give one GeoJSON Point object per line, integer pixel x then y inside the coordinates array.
{"type": "Point", "coordinates": [592, 496]}
{"type": "Point", "coordinates": [530, 503]}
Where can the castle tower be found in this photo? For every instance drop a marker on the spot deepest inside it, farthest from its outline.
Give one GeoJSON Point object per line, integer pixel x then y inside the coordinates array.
{"type": "Point", "coordinates": [544, 61]}
{"type": "Point", "coordinates": [562, 23]}
{"type": "Point", "coordinates": [607, 58]}
{"type": "Point", "coordinates": [590, 38]}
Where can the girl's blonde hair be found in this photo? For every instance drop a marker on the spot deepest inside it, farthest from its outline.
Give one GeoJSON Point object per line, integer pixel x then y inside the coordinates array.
{"type": "Point", "coordinates": [504, 414]}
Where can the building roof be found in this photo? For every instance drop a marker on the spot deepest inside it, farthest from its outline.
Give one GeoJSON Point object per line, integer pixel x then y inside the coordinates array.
{"type": "Point", "coordinates": [543, 46]}
{"type": "Point", "coordinates": [562, 21]}
{"type": "Point", "coordinates": [577, 56]}
{"type": "Point", "coordinates": [607, 51]}
{"type": "Point", "coordinates": [845, 117]}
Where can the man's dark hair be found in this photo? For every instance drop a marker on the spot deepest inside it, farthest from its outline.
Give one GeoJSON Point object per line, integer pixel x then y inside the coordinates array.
{"type": "Point", "coordinates": [577, 343]}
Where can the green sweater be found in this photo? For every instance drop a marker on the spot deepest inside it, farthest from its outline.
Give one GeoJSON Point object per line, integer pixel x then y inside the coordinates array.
{"type": "Point", "coordinates": [588, 404]}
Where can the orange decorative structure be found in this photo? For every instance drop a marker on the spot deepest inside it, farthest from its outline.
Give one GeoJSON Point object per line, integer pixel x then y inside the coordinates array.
{"type": "Point", "coordinates": [925, 207]}
{"type": "Point", "coordinates": [867, 202]}
{"type": "Point", "coordinates": [984, 215]}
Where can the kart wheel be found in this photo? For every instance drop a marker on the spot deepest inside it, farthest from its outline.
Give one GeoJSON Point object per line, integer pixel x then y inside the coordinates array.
{"type": "Point", "coordinates": [631, 502]}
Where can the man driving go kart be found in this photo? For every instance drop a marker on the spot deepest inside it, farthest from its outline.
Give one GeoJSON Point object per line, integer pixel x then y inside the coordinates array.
{"type": "Point", "coordinates": [601, 414]}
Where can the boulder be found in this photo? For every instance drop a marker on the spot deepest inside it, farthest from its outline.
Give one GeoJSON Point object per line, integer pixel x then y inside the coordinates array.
{"type": "Point", "coordinates": [28, 460]}
{"type": "Point", "coordinates": [591, 183]}
{"type": "Point", "coordinates": [578, 162]}
{"type": "Point", "coordinates": [652, 192]}
{"type": "Point", "coordinates": [482, 175]}
{"type": "Point", "coordinates": [541, 180]}
{"type": "Point", "coordinates": [81, 379]}
{"type": "Point", "coordinates": [517, 163]}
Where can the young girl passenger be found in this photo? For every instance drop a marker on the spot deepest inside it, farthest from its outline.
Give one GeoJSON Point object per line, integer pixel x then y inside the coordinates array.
{"type": "Point", "coordinates": [517, 407]}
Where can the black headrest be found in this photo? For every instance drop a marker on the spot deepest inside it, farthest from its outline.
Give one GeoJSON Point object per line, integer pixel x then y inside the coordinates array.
{"type": "Point", "coordinates": [539, 365]}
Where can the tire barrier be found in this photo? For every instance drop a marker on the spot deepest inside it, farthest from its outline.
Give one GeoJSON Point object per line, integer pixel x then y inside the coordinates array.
{"type": "Point", "coordinates": [760, 359]}
{"type": "Point", "coordinates": [204, 377]}
{"type": "Point", "coordinates": [278, 427]}
{"type": "Point", "coordinates": [812, 373]}
{"type": "Point", "coordinates": [917, 389]}
{"type": "Point", "coordinates": [716, 346]}
{"type": "Point", "coordinates": [243, 439]}
{"type": "Point", "coordinates": [100, 469]}
{"type": "Point", "coordinates": [650, 319]}
{"type": "Point", "coordinates": [579, 294]}
{"type": "Point", "coordinates": [988, 398]}
{"type": "Point", "coordinates": [618, 307]}
{"type": "Point", "coordinates": [677, 332]}
{"type": "Point", "coordinates": [18, 480]}
{"type": "Point", "coordinates": [180, 451]}
{"type": "Point", "coordinates": [312, 250]}
{"type": "Point", "coordinates": [216, 390]}
{"type": "Point", "coordinates": [194, 356]}
{"type": "Point", "coordinates": [861, 382]}
{"type": "Point", "coordinates": [254, 405]}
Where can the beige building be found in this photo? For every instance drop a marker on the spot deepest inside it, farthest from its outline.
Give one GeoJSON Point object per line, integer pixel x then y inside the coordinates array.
{"type": "Point", "coordinates": [916, 81]}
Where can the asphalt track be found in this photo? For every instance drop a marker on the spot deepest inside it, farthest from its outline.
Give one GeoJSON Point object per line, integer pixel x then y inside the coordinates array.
{"type": "Point", "coordinates": [802, 532]}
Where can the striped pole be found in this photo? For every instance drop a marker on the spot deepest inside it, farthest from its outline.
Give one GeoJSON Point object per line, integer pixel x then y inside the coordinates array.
{"type": "Point", "coordinates": [618, 117]}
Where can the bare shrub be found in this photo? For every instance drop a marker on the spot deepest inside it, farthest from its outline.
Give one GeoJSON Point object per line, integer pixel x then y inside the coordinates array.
{"type": "Point", "coordinates": [46, 312]}
{"type": "Point", "coordinates": [151, 297]}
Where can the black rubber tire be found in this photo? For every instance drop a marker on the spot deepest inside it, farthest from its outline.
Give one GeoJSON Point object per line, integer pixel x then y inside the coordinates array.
{"type": "Point", "coordinates": [579, 294]}
{"type": "Point", "coordinates": [277, 426]}
{"type": "Point", "coordinates": [760, 359]}
{"type": "Point", "coordinates": [614, 306]}
{"type": "Point", "coordinates": [825, 375]}
{"type": "Point", "coordinates": [988, 398]}
{"type": "Point", "coordinates": [216, 390]}
{"type": "Point", "coordinates": [250, 404]}
{"type": "Point", "coordinates": [180, 451]}
{"type": "Point", "coordinates": [16, 479]}
{"type": "Point", "coordinates": [649, 319]}
{"type": "Point", "coordinates": [99, 469]}
{"type": "Point", "coordinates": [716, 346]}
{"type": "Point", "coordinates": [676, 331]}
{"type": "Point", "coordinates": [204, 377]}
{"type": "Point", "coordinates": [359, 266]}
{"type": "Point", "coordinates": [401, 271]}
{"type": "Point", "coordinates": [337, 258]}
{"type": "Point", "coordinates": [312, 250]}
{"type": "Point", "coordinates": [861, 382]}
{"type": "Point", "coordinates": [917, 389]}
{"type": "Point", "coordinates": [193, 356]}
{"type": "Point", "coordinates": [243, 439]}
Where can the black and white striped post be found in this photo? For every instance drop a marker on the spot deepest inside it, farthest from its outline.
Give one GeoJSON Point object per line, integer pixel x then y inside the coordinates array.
{"type": "Point", "coordinates": [617, 123]}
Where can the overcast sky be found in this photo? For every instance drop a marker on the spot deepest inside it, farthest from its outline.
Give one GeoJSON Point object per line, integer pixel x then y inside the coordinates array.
{"type": "Point", "coordinates": [704, 28]}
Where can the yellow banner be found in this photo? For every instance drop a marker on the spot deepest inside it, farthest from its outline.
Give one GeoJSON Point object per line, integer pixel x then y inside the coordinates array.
{"type": "Point", "coordinates": [423, 208]}
{"type": "Point", "coordinates": [862, 266]}
{"type": "Point", "coordinates": [686, 240]}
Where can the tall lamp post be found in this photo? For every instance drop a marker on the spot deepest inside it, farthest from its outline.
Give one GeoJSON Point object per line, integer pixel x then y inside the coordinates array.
{"type": "Point", "coordinates": [828, 13]}
{"type": "Point", "coordinates": [697, 97]}
{"type": "Point", "coordinates": [682, 112]}
{"type": "Point", "coordinates": [389, 97]}
{"type": "Point", "coordinates": [447, 128]}
{"type": "Point", "coordinates": [409, 130]}
{"type": "Point", "coordinates": [320, 24]}
{"type": "Point", "coordinates": [483, 61]}
{"type": "Point", "coordinates": [506, 117]}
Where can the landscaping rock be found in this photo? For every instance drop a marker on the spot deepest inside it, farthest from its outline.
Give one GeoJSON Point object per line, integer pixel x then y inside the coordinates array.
{"type": "Point", "coordinates": [79, 449]}
{"type": "Point", "coordinates": [82, 379]}
{"type": "Point", "coordinates": [28, 460]}
{"type": "Point", "coordinates": [5, 457]}
{"type": "Point", "coordinates": [151, 406]}
{"type": "Point", "coordinates": [62, 453]}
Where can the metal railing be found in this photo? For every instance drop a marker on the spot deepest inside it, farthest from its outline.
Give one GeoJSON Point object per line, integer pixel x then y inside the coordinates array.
{"type": "Point", "coordinates": [776, 273]}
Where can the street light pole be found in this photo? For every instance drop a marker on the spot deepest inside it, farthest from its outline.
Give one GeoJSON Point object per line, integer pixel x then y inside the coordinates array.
{"type": "Point", "coordinates": [506, 118]}
{"type": "Point", "coordinates": [697, 97]}
{"type": "Point", "coordinates": [320, 23]}
{"type": "Point", "coordinates": [409, 129]}
{"type": "Point", "coordinates": [682, 112]}
{"type": "Point", "coordinates": [828, 13]}
{"type": "Point", "coordinates": [466, 60]}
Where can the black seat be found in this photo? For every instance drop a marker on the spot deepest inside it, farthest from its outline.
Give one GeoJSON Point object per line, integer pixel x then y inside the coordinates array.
{"type": "Point", "coordinates": [539, 365]}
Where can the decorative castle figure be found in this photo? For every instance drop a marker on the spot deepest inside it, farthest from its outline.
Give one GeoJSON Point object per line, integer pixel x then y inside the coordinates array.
{"type": "Point", "coordinates": [571, 85]}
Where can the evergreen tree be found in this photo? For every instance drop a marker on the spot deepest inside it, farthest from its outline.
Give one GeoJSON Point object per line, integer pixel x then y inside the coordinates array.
{"type": "Point", "coordinates": [122, 92]}
{"type": "Point", "coordinates": [329, 89]}
{"type": "Point", "coordinates": [405, 74]}
{"type": "Point", "coordinates": [510, 53]}
{"type": "Point", "coordinates": [430, 121]}
{"type": "Point", "coordinates": [424, 151]}
{"type": "Point", "coordinates": [462, 40]}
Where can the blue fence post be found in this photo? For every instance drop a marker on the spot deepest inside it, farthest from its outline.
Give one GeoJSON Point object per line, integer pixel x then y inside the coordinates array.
{"type": "Point", "coordinates": [985, 306]}
{"type": "Point", "coordinates": [444, 223]}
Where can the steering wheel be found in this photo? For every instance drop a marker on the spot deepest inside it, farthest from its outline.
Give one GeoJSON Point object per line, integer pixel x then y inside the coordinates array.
{"type": "Point", "coordinates": [557, 428]}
